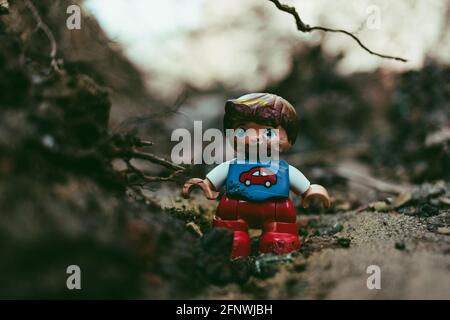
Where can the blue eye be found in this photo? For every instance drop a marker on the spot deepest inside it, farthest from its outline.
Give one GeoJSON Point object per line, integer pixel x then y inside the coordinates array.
{"type": "Point", "coordinates": [270, 133]}
{"type": "Point", "coordinates": [239, 132]}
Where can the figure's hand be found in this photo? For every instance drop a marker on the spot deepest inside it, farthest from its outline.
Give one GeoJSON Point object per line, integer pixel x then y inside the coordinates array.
{"type": "Point", "coordinates": [316, 191]}
{"type": "Point", "coordinates": [206, 186]}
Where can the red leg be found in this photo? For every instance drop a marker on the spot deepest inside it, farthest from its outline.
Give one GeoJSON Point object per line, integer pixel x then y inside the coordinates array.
{"type": "Point", "coordinates": [281, 236]}
{"type": "Point", "coordinates": [226, 217]}
{"type": "Point", "coordinates": [241, 240]}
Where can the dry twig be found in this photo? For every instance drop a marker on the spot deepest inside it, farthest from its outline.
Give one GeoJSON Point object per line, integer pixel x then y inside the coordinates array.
{"type": "Point", "coordinates": [146, 178]}
{"type": "Point", "coordinates": [144, 118]}
{"type": "Point", "coordinates": [301, 26]}
{"type": "Point", "coordinates": [371, 182]}
{"type": "Point", "coordinates": [128, 154]}
{"type": "Point", "coordinates": [44, 27]}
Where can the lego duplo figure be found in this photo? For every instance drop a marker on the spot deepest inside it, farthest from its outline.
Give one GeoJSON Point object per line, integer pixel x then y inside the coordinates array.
{"type": "Point", "coordinates": [257, 192]}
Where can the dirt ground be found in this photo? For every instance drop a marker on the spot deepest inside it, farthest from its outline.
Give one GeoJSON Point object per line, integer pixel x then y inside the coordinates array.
{"type": "Point", "coordinates": [414, 261]}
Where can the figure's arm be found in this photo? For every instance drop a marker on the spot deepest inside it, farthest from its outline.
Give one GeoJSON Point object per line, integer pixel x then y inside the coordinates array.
{"type": "Point", "coordinates": [211, 184]}
{"type": "Point", "coordinates": [316, 191]}
{"type": "Point", "coordinates": [207, 187]}
{"type": "Point", "coordinates": [301, 186]}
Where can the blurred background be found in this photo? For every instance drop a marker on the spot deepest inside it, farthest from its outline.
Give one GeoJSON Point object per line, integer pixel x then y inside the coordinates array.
{"type": "Point", "coordinates": [86, 117]}
{"type": "Point", "coordinates": [208, 52]}
{"type": "Point", "coordinates": [247, 46]}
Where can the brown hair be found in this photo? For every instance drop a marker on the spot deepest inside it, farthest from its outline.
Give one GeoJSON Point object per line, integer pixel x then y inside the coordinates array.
{"type": "Point", "coordinates": [262, 108]}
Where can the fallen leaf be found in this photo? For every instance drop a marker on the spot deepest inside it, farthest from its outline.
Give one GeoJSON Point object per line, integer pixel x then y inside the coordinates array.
{"type": "Point", "coordinates": [443, 230]}
{"type": "Point", "coordinates": [401, 199]}
{"type": "Point", "coordinates": [380, 206]}
{"type": "Point", "coordinates": [195, 227]}
{"type": "Point", "coordinates": [445, 201]}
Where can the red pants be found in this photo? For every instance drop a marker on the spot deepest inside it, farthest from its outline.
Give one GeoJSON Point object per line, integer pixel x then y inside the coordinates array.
{"type": "Point", "coordinates": [277, 218]}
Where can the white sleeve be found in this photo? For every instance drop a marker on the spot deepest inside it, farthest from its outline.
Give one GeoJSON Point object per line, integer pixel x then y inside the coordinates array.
{"type": "Point", "coordinates": [219, 174]}
{"type": "Point", "coordinates": [297, 180]}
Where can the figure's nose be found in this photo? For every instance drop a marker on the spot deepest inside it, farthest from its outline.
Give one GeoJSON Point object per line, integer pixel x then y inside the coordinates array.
{"type": "Point", "coordinates": [254, 139]}
{"type": "Point", "coordinates": [251, 138]}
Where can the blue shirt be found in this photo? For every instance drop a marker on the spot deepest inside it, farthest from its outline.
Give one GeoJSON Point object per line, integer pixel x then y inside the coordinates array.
{"type": "Point", "coordinates": [256, 181]}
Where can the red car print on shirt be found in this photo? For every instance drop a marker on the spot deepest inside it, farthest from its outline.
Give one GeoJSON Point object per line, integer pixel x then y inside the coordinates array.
{"type": "Point", "coordinates": [258, 175]}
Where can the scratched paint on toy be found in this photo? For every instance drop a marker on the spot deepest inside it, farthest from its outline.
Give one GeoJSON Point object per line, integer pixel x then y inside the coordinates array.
{"type": "Point", "coordinates": [245, 99]}
{"type": "Point", "coordinates": [256, 181]}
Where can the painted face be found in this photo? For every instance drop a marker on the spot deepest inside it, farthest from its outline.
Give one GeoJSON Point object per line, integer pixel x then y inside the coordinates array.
{"type": "Point", "coordinates": [251, 133]}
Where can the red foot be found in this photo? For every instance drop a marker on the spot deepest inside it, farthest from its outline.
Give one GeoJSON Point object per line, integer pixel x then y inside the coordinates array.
{"type": "Point", "coordinates": [279, 238]}
{"type": "Point", "coordinates": [241, 240]}
{"type": "Point", "coordinates": [241, 244]}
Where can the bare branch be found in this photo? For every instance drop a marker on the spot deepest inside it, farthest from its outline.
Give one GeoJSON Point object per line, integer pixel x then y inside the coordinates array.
{"type": "Point", "coordinates": [364, 179]}
{"type": "Point", "coordinates": [128, 154]}
{"type": "Point", "coordinates": [44, 27]}
{"type": "Point", "coordinates": [142, 119]}
{"type": "Point", "coordinates": [146, 178]}
{"type": "Point", "coordinates": [301, 26]}
{"type": "Point", "coordinates": [146, 143]}
{"type": "Point", "coordinates": [168, 178]}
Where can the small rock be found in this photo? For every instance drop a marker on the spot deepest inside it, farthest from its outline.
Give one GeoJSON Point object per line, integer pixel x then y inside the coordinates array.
{"type": "Point", "coordinates": [266, 265]}
{"type": "Point", "coordinates": [338, 227]}
{"type": "Point", "coordinates": [400, 245]}
{"type": "Point", "coordinates": [48, 141]}
{"type": "Point", "coordinates": [344, 242]}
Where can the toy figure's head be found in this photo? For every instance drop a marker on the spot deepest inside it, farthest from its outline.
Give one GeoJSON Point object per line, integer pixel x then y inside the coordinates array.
{"type": "Point", "coordinates": [262, 112]}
